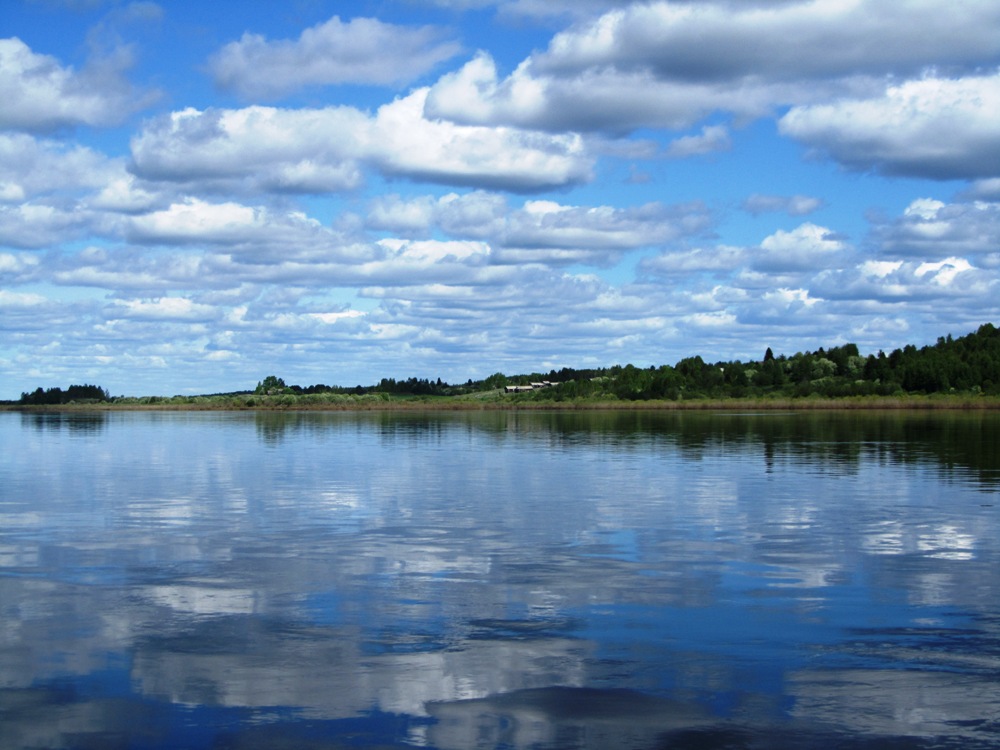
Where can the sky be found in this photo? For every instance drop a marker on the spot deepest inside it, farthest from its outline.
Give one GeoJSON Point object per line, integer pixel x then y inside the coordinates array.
{"type": "Point", "coordinates": [196, 195]}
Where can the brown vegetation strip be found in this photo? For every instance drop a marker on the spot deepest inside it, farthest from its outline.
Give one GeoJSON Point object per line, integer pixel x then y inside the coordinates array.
{"type": "Point", "coordinates": [976, 403]}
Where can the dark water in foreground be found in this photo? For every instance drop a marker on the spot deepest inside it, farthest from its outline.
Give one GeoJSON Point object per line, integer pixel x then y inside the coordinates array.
{"type": "Point", "coordinates": [197, 580]}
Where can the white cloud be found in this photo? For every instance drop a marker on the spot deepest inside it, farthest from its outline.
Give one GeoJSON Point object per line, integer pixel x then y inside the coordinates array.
{"type": "Point", "coordinates": [331, 318]}
{"type": "Point", "coordinates": [723, 259]}
{"type": "Point", "coordinates": [362, 50]}
{"type": "Point", "coordinates": [939, 128]}
{"type": "Point", "coordinates": [52, 192]}
{"type": "Point", "coordinates": [710, 41]}
{"type": "Point", "coordinates": [940, 283]}
{"type": "Point", "coordinates": [944, 272]}
{"type": "Point", "coordinates": [40, 95]}
{"type": "Point", "coordinates": [219, 246]}
{"type": "Point", "coordinates": [165, 308]}
{"type": "Point", "coordinates": [543, 231]}
{"type": "Point", "coordinates": [323, 150]}
{"type": "Point", "coordinates": [595, 99]}
{"type": "Point", "coordinates": [478, 214]}
{"type": "Point", "coordinates": [38, 225]}
{"type": "Point", "coordinates": [390, 212]}
{"type": "Point", "coordinates": [20, 300]}
{"type": "Point", "coordinates": [198, 221]}
{"type": "Point", "coordinates": [782, 300]}
{"type": "Point", "coordinates": [932, 228]}
{"type": "Point", "coordinates": [806, 248]}
{"type": "Point", "coordinates": [879, 268]}
{"type": "Point", "coordinates": [262, 148]}
{"type": "Point", "coordinates": [15, 264]}
{"type": "Point", "coordinates": [712, 138]}
{"type": "Point", "coordinates": [30, 167]}
{"type": "Point", "coordinates": [404, 142]}
{"type": "Point", "coordinates": [256, 234]}
{"type": "Point", "coordinates": [124, 193]}
{"type": "Point", "coordinates": [434, 251]}
{"type": "Point", "coordinates": [671, 64]}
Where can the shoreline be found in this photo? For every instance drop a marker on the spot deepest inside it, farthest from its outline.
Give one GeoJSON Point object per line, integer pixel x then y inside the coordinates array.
{"type": "Point", "coordinates": [363, 404]}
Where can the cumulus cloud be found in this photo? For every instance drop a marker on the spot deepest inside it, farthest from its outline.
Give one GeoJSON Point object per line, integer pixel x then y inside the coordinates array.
{"type": "Point", "coordinates": [939, 128]}
{"type": "Point", "coordinates": [198, 221]}
{"type": "Point", "coordinates": [478, 214]}
{"type": "Point", "coordinates": [523, 301]}
{"type": "Point", "coordinates": [670, 64]}
{"type": "Point", "coordinates": [723, 259]}
{"type": "Point", "coordinates": [39, 225]}
{"type": "Point", "coordinates": [406, 143]}
{"type": "Point", "coordinates": [17, 266]}
{"type": "Point", "coordinates": [257, 148]}
{"type": "Point", "coordinates": [897, 282]}
{"type": "Point", "coordinates": [164, 308]}
{"type": "Point", "coordinates": [784, 258]}
{"type": "Point", "coordinates": [362, 50]}
{"type": "Point", "coordinates": [595, 99]}
{"type": "Point", "coordinates": [40, 95]}
{"type": "Point", "coordinates": [930, 228]}
{"type": "Point", "coordinates": [711, 41]}
{"type": "Point", "coordinates": [324, 150]}
{"type": "Point", "coordinates": [405, 217]}
{"type": "Point", "coordinates": [30, 167]}
{"type": "Point", "coordinates": [21, 300]}
{"type": "Point", "coordinates": [256, 233]}
{"type": "Point", "coordinates": [807, 247]}
{"type": "Point", "coordinates": [436, 250]}
{"type": "Point", "coordinates": [124, 193]}
{"type": "Point", "coordinates": [132, 273]}
{"type": "Point", "coordinates": [51, 192]}
{"type": "Point", "coordinates": [209, 247]}
{"type": "Point", "coordinates": [543, 231]}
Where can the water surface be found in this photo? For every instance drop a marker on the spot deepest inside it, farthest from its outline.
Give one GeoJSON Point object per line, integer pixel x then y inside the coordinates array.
{"type": "Point", "coordinates": [509, 580]}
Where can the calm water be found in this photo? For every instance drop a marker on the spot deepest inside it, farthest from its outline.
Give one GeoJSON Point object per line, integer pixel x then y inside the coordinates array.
{"type": "Point", "coordinates": [501, 580]}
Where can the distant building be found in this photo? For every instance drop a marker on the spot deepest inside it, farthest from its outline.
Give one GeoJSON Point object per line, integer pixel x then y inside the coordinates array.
{"type": "Point", "coordinates": [530, 387]}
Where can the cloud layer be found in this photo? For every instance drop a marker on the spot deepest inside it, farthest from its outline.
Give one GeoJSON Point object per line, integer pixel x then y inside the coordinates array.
{"type": "Point", "coordinates": [344, 199]}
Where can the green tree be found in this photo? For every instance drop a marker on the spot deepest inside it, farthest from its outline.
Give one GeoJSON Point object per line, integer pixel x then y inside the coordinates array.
{"type": "Point", "coordinates": [771, 374]}
{"type": "Point", "coordinates": [496, 380]}
{"type": "Point", "coordinates": [270, 386]}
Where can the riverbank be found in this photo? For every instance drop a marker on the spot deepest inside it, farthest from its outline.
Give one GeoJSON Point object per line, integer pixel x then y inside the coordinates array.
{"type": "Point", "coordinates": [502, 402]}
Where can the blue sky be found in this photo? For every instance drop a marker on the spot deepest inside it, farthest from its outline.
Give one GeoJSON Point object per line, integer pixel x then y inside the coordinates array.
{"type": "Point", "coordinates": [196, 195]}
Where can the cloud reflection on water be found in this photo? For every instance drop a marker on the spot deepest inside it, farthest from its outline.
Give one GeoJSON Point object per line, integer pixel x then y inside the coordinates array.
{"type": "Point", "coordinates": [526, 579]}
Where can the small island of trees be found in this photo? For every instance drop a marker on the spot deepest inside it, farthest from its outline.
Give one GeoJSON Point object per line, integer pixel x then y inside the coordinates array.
{"type": "Point", "coordinates": [968, 366]}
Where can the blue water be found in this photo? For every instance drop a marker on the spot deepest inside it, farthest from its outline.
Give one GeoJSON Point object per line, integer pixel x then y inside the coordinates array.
{"type": "Point", "coordinates": [499, 580]}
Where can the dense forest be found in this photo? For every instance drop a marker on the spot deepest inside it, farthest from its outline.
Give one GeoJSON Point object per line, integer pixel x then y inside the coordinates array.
{"type": "Point", "coordinates": [968, 365]}
{"type": "Point", "coordinates": [73, 394]}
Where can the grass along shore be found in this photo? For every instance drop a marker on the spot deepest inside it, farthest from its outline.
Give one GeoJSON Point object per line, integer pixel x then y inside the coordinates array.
{"type": "Point", "coordinates": [499, 401]}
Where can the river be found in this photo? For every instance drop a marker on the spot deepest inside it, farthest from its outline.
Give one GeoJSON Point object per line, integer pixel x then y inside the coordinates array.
{"type": "Point", "coordinates": [499, 580]}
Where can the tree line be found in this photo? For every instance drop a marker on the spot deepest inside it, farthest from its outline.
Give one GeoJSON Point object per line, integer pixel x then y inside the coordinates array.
{"type": "Point", "coordinates": [969, 365]}
{"type": "Point", "coordinates": [74, 394]}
